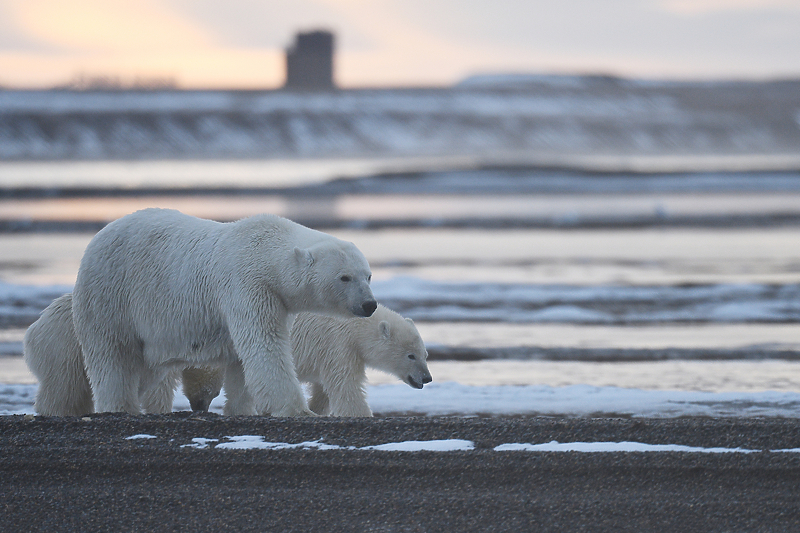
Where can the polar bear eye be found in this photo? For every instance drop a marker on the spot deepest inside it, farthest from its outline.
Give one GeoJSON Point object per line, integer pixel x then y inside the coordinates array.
{"type": "Point", "coordinates": [369, 278]}
{"type": "Point", "coordinates": [345, 278]}
{"type": "Point", "coordinates": [412, 356]}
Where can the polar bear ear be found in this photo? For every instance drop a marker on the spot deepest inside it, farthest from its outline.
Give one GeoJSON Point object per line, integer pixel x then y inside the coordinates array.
{"type": "Point", "coordinates": [410, 321]}
{"type": "Point", "coordinates": [385, 329]}
{"type": "Point", "coordinates": [304, 257]}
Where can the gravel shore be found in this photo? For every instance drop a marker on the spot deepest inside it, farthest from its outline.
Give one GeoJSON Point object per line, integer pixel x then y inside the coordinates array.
{"type": "Point", "coordinates": [83, 474]}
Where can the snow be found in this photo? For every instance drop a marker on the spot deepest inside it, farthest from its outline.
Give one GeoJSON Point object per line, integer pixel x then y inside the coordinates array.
{"type": "Point", "coordinates": [506, 80]}
{"type": "Point", "coordinates": [611, 447]}
{"type": "Point", "coordinates": [141, 436]}
{"type": "Point", "coordinates": [455, 399]}
{"type": "Point", "coordinates": [446, 399]}
{"type": "Point", "coordinates": [200, 443]}
{"type": "Point", "coordinates": [257, 442]}
{"type": "Point", "coordinates": [557, 116]}
{"type": "Point", "coordinates": [448, 445]}
{"type": "Point", "coordinates": [384, 104]}
{"type": "Point", "coordinates": [251, 442]}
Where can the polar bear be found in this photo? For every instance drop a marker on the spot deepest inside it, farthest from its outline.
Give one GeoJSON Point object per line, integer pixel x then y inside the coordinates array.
{"type": "Point", "coordinates": [53, 355]}
{"type": "Point", "coordinates": [331, 354]}
{"type": "Point", "coordinates": [201, 384]}
{"type": "Point", "coordinates": [52, 352]}
{"type": "Point", "coordinates": [158, 290]}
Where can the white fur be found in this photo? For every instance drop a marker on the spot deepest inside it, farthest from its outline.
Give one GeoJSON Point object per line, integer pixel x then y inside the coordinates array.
{"type": "Point", "coordinates": [331, 353]}
{"type": "Point", "coordinates": [158, 291]}
{"type": "Point", "coordinates": [53, 354]}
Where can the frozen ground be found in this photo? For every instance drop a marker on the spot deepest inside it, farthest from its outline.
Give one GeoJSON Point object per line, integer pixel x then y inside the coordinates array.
{"type": "Point", "coordinates": [204, 472]}
{"type": "Point", "coordinates": [497, 119]}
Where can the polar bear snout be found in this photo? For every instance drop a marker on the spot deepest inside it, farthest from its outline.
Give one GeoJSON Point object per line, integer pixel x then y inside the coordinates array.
{"type": "Point", "coordinates": [419, 379]}
{"type": "Point", "coordinates": [369, 307]}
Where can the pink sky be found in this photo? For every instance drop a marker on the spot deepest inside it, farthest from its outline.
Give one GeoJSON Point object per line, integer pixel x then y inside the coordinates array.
{"type": "Point", "coordinates": [240, 43]}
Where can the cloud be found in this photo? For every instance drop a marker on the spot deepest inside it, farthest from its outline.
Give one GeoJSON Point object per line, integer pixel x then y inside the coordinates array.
{"type": "Point", "coordinates": [209, 43]}
{"type": "Point", "coordinates": [106, 26]}
{"type": "Point", "coordinates": [56, 40]}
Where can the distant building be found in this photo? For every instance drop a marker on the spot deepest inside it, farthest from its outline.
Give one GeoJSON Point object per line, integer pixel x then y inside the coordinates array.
{"type": "Point", "coordinates": [309, 62]}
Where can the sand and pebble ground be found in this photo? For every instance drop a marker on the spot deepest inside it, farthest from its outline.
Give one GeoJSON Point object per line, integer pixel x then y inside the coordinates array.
{"type": "Point", "coordinates": [86, 474]}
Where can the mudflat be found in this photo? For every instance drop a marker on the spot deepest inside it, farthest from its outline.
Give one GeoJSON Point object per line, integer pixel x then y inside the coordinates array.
{"type": "Point", "coordinates": [86, 474]}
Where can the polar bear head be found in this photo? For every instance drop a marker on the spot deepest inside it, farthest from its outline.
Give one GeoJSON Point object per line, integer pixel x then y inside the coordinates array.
{"type": "Point", "coordinates": [398, 349]}
{"type": "Point", "coordinates": [336, 278]}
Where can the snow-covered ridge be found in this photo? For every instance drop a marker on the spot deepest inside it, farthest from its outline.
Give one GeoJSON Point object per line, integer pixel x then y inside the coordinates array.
{"type": "Point", "coordinates": [564, 116]}
{"type": "Point", "coordinates": [439, 102]}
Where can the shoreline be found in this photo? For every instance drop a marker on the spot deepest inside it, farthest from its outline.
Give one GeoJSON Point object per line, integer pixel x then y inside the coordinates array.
{"type": "Point", "coordinates": [110, 178]}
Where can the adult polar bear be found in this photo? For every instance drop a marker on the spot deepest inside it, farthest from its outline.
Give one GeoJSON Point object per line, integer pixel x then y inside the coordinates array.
{"type": "Point", "coordinates": [159, 290]}
{"type": "Point", "coordinates": [329, 352]}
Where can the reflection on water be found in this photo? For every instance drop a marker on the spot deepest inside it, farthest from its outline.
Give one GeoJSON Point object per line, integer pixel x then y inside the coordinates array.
{"type": "Point", "coordinates": [700, 286]}
{"type": "Point", "coordinates": [767, 337]}
{"type": "Point", "coordinates": [667, 256]}
{"type": "Point", "coordinates": [430, 209]}
{"type": "Point", "coordinates": [706, 376]}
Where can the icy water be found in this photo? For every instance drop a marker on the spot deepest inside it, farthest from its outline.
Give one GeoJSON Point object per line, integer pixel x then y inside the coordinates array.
{"type": "Point", "coordinates": [574, 286]}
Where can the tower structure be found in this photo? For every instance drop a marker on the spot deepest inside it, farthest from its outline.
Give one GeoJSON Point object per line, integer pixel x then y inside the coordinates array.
{"type": "Point", "coordinates": [309, 62]}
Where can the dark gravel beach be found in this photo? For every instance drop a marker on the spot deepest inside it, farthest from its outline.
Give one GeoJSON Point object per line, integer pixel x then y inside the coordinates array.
{"type": "Point", "coordinates": [73, 474]}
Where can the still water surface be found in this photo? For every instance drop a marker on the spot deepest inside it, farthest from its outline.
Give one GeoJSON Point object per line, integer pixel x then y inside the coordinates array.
{"type": "Point", "coordinates": [493, 279]}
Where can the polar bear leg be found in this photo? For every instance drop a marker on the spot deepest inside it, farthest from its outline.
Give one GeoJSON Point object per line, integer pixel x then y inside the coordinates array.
{"type": "Point", "coordinates": [348, 399]}
{"type": "Point", "coordinates": [237, 400]}
{"type": "Point", "coordinates": [319, 400]}
{"type": "Point", "coordinates": [157, 390]}
{"type": "Point", "coordinates": [114, 370]}
{"type": "Point", "coordinates": [266, 358]}
{"type": "Point", "coordinates": [274, 386]}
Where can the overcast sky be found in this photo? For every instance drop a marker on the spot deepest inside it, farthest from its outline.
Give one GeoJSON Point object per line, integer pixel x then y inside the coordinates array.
{"type": "Point", "coordinates": [240, 43]}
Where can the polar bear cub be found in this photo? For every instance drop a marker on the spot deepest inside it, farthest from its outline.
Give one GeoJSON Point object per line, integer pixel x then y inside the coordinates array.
{"type": "Point", "coordinates": [158, 290]}
{"type": "Point", "coordinates": [331, 354]}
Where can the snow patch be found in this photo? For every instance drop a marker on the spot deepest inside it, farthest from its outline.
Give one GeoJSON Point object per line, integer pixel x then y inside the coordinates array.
{"type": "Point", "coordinates": [455, 399]}
{"type": "Point", "coordinates": [200, 443]}
{"type": "Point", "coordinates": [449, 445]}
{"type": "Point", "coordinates": [257, 442]}
{"type": "Point", "coordinates": [612, 447]}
